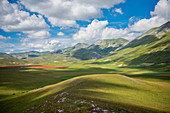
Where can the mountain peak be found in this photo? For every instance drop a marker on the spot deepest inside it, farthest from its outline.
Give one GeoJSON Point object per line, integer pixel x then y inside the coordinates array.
{"type": "Point", "coordinates": [111, 42]}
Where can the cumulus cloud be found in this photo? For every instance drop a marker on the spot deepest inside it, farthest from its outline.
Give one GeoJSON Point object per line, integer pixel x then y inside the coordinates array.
{"type": "Point", "coordinates": [38, 34]}
{"type": "Point", "coordinates": [15, 20]}
{"type": "Point", "coordinates": [98, 30]}
{"type": "Point", "coordinates": [50, 44]}
{"type": "Point", "coordinates": [91, 33]}
{"type": "Point", "coordinates": [146, 24]}
{"type": "Point", "coordinates": [40, 45]}
{"type": "Point", "coordinates": [162, 9]}
{"type": "Point", "coordinates": [160, 15]}
{"type": "Point", "coordinates": [110, 33]}
{"type": "Point", "coordinates": [66, 12]}
{"type": "Point", "coordinates": [118, 10]}
{"type": "Point", "coordinates": [60, 34]}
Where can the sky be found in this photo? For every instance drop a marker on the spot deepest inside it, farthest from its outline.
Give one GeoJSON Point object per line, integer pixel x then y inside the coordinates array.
{"type": "Point", "coordinates": [48, 25]}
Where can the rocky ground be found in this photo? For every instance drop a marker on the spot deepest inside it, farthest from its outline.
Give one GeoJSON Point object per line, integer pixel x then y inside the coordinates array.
{"type": "Point", "coordinates": [66, 103]}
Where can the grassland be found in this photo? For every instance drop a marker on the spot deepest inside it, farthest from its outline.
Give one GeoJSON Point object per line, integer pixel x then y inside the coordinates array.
{"type": "Point", "coordinates": [132, 89]}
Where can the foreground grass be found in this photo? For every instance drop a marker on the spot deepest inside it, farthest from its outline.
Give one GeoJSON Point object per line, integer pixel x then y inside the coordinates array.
{"type": "Point", "coordinates": [101, 84]}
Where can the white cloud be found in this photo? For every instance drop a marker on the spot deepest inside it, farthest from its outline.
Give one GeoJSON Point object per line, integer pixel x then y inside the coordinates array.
{"type": "Point", "coordinates": [12, 50]}
{"type": "Point", "coordinates": [131, 35]}
{"type": "Point", "coordinates": [15, 20]}
{"type": "Point", "coordinates": [91, 33]}
{"type": "Point", "coordinates": [3, 37]}
{"type": "Point", "coordinates": [19, 34]}
{"type": "Point", "coordinates": [110, 33]}
{"type": "Point", "coordinates": [66, 12]}
{"type": "Point", "coordinates": [146, 24]}
{"type": "Point", "coordinates": [162, 9]}
{"type": "Point", "coordinates": [60, 34]}
{"type": "Point", "coordinates": [62, 22]}
{"type": "Point", "coordinates": [38, 34]}
{"type": "Point", "coordinates": [118, 10]}
{"type": "Point", "coordinates": [50, 44]}
{"type": "Point", "coordinates": [40, 45]}
{"type": "Point", "coordinates": [160, 15]}
{"type": "Point", "coordinates": [97, 30]}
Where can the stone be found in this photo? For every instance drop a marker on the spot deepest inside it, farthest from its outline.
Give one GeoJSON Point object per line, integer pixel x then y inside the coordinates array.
{"type": "Point", "coordinates": [60, 110]}
{"type": "Point", "coordinates": [105, 111]}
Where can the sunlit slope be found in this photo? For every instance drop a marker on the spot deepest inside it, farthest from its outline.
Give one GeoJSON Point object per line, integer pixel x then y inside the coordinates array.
{"type": "Point", "coordinates": [151, 47]}
{"type": "Point", "coordinates": [129, 93]}
{"type": "Point", "coordinates": [99, 49]}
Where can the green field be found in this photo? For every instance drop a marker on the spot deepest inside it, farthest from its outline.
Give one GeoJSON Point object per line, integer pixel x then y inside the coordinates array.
{"type": "Point", "coordinates": [131, 89]}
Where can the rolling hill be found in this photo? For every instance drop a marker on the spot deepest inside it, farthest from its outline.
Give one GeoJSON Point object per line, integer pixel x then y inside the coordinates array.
{"type": "Point", "coordinates": [69, 50]}
{"type": "Point", "coordinates": [5, 55]}
{"type": "Point", "coordinates": [81, 90]}
{"type": "Point", "coordinates": [100, 85]}
{"type": "Point", "coordinates": [153, 47]}
{"type": "Point", "coordinates": [99, 49]}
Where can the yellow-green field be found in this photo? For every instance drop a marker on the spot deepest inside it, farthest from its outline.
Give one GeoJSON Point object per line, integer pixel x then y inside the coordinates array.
{"type": "Point", "coordinates": [131, 89]}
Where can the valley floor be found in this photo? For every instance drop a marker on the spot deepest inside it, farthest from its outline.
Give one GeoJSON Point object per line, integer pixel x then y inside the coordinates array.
{"type": "Point", "coordinates": [85, 88]}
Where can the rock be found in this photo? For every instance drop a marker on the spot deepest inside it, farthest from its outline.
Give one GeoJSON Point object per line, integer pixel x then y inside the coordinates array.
{"type": "Point", "coordinates": [60, 110]}
{"type": "Point", "coordinates": [105, 111]}
{"type": "Point", "coordinates": [121, 110]}
{"type": "Point", "coordinates": [63, 99]}
{"type": "Point", "coordinates": [58, 101]}
{"type": "Point", "coordinates": [55, 96]}
{"type": "Point", "coordinates": [64, 93]}
{"type": "Point", "coordinates": [99, 109]}
{"type": "Point", "coordinates": [94, 109]}
{"type": "Point", "coordinates": [93, 105]}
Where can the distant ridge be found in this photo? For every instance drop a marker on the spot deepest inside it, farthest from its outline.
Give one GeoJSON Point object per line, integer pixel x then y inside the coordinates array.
{"type": "Point", "coordinates": [151, 47]}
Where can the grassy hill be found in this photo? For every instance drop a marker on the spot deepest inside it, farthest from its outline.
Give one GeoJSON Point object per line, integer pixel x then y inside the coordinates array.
{"type": "Point", "coordinates": [84, 88]}
{"type": "Point", "coordinates": [133, 77]}
{"type": "Point", "coordinates": [99, 49]}
{"type": "Point", "coordinates": [69, 50]}
{"type": "Point", "coordinates": [151, 47]}
{"type": "Point", "coordinates": [4, 55]}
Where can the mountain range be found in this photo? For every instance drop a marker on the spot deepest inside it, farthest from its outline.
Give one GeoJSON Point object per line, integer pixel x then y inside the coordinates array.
{"type": "Point", "coordinates": [151, 47]}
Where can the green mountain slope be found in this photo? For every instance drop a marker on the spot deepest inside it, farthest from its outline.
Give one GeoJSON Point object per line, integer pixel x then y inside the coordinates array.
{"type": "Point", "coordinates": [69, 50]}
{"type": "Point", "coordinates": [109, 91]}
{"type": "Point", "coordinates": [4, 55]}
{"type": "Point", "coordinates": [151, 47]}
{"type": "Point", "coordinates": [99, 49]}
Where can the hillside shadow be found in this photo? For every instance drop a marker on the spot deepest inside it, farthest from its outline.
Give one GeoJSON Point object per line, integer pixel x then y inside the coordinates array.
{"type": "Point", "coordinates": [152, 57]}
{"type": "Point", "coordinates": [156, 73]}
{"type": "Point", "coordinates": [26, 79]}
{"type": "Point", "coordinates": [117, 106]}
{"type": "Point", "coordinates": [142, 41]}
{"type": "Point", "coordinates": [93, 52]}
{"type": "Point", "coordinates": [98, 84]}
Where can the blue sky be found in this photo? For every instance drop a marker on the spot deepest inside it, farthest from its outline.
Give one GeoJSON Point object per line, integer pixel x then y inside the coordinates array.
{"type": "Point", "coordinates": [47, 25]}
